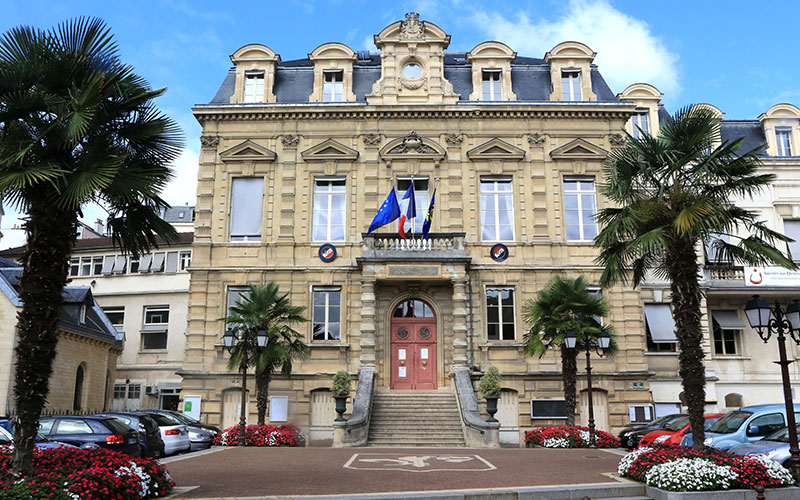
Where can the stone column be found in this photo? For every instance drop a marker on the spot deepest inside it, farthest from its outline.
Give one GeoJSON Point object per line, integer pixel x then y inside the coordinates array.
{"type": "Point", "coordinates": [460, 327]}
{"type": "Point", "coordinates": [367, 322]}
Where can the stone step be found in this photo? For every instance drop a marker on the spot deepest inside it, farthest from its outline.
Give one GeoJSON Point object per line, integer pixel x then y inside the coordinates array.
{"type": "Point", "coordinates": [430, 432]}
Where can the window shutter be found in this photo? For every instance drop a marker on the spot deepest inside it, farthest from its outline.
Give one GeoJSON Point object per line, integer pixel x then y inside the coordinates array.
{"type": "Point", "coordinates": [144, 263]}
{"type": "Point", "coordinates": [246, 202]}
{"type": "Point", "coordinates": [119, 265]}
{"type": "Point", "coordinates": [158, 263]}
{"type": "Point", "coordinates": [172, 262]}
{"type": "Point", "coordinates": [108, 264]}
{"type": "Point", "coordinates": [792, 230]}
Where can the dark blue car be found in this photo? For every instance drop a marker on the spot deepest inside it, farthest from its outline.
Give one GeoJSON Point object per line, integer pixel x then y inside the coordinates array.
{"type": "Point", "coordinates": [92, 432]}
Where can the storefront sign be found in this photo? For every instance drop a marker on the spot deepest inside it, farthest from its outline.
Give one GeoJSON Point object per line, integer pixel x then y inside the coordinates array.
{"type": "Point", "coordinates": [770, 276]}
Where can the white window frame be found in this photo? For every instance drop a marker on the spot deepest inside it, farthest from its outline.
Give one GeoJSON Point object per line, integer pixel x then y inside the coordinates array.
{"type": "Point", "coordinates": [641, 120]}
{"type": "Point", "coordinates": [571, 89]}
{"type": "Point", "coordinates": [422, 198]}
{"type": "Point", "coordinates": [495, 193]}
{"type": "Point", "coordinates": [116, 309]}
{"type": "Point", "coordinates": [578, 193]}
{"type": "Point", "coordinates": [500, 323]}
{"type": "Point", "coordinates": [97, 260]}
{"type": "Point", "coordinates": [235, 238]}
{"type": "Point", "coordinates": [155, 328]}
{"type": "Point", "coordinates": [715, 327]}
{"type": "Point", "coordinates": [185, 260]}
{"type": "Point", "coordinates": [74, 266]}
{"type": "Point", "coordinates": [120, 390]}
{"type": "Point", "coordinates": [86, 263]}
{"type": "Point", "coordinates": [493, 85]}
{"type": "Point", "coordinates": [648, 410]}
{"type": "Point", "coordinates": [329, 194]}
{"type": "Point", "coordinates": [253, 81]}
{"type": "Point", "coordinates": [326, 290]}
{"type": "Point", "coordinates": [333, 90]}
{"type": "Point", "coordinates": [783, 141]}
{"type": "Point", "coordinates": [794, 247]}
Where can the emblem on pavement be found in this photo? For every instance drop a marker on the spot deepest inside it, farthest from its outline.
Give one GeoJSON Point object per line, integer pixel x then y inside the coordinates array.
{"type": "Point", "coordinates": [418, 463]}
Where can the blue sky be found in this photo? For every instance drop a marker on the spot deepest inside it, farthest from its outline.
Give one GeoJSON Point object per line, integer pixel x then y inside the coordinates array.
{"type": "Point", "coordinates": [736, 55]}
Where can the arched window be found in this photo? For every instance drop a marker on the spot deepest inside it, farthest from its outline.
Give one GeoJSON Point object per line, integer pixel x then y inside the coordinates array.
{"type": "Point", "coordinates": [76, 400]}
{"type": "Point", "coordinates": [413, 308]}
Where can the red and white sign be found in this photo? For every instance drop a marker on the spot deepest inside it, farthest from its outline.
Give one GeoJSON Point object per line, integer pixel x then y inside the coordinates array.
{"type": "Point", "coordinates": [770, 276]}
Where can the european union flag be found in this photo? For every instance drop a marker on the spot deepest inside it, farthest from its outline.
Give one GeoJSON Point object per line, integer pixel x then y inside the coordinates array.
{"type": "Point", "coordinates": [388, 212]}
{"type": "Point", "coordinates": [426, 226]}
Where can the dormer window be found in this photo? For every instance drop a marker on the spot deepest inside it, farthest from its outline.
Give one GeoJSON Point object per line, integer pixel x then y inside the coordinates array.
{"type": "Point", "coordinates": [640, 126]}
{"type": "Point", "coordinates": [783, 141]}
{"type": "Point", "coordinates": [82, 318]}
{"type": "Point", "coordinates": [491, 85]}
{"type": "Point", "coordinates": [333, 86]}
{"type": "Point", "coordinates": [412, 70]}
{"type": "Point", "coordinates": [571, 85]}
{"type": "Point", "coordinates": [254, 86]}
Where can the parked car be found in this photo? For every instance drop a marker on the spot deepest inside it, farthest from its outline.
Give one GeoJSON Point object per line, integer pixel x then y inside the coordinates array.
{"type": "Point", "coordinates": [200, 437]}
{"type": "Point", "coordinates": [673, 433]}
{"type": "Point", "coordinates": [745, 425]}
{"type": "Point", "coordinates": [193, 421]}
{"type": "Point", "coordinates": [7, 437]}
{"type": "Point", "coordinates": [92, 432]}
{"type": "Point", "coordinates": [775, 446]}
{"type": "Point", "coordinates": [149, 434]}
{"type": "Point", "coordinates": [174, 434]}
{"type": "Point", "coordinates": [630, 436]}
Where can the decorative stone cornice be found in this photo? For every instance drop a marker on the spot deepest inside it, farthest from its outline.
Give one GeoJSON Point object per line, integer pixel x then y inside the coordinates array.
{"type": "Point", "coordinates": [372, 139]}
{"type": "Point", "coordinates": [454, 139]}
{"type": "Point", "coordinates": [536, 139]}
{"type": "Point", "coordinates": [209, 141]}
{"type": "Point", "coordinates": [290, 141]}
{"type": "Point", "coordinates": [412, 28]}
{"type": "Point", "coordinates": [616, 140]}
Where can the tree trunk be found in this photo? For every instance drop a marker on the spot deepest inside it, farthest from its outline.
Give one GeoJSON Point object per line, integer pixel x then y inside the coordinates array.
{"type": "Point", "coordinates": [681, 261]}
{"type": "Point", "coordinates": [569, 374]}
{"type": "Point", "coordinates": [262, 394]}
{"type": "Point", "coordinates": [51, 234]}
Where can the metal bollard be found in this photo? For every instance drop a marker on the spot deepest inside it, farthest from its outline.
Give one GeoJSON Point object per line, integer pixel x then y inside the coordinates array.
{"type": "Point", "coordinates": [760, 492]}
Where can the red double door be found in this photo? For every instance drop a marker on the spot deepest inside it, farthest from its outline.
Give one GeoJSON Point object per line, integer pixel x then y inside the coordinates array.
{"type": "Point", "coordinates": [413, 353]}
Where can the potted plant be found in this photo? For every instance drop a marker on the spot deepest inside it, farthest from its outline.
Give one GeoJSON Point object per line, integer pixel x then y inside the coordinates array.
{"type": "Point", "coordinates": [341, 390]}
{"type": "Point", "coordinates": [490, 388]}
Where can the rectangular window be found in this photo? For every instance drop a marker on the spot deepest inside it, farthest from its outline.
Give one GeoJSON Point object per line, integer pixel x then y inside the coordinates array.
{"type": "Point", "coordinates": [548, 409]}
{"type": "Point", "coordinates": [247, 195]}
{"type": "Point", "coordinates": [579, 209]}
{"type": "Point", "coordinates": [791, 228]}
{"type": "Point", "coordinates": [327, 313]}
{"type": "Point", "coordinates": [235, 293]}
{"type": "Point", "coordinates": [86, 266]}
{"type": "Point", "coordinates": [145, 262]}
{"type": "Point", "coordinates": [133, 266]}
{"type": "Point", "coordinates": [108, 264]}
{"type": "Point", "coordinates": [658, 346]}
{"type": "Point", "coordinates": [784, 141]}
{"type": "Point", "coordinates": [97, 266]}
{"type": "Point", "coordinates": [328, 224]}
{"type": "Point", "coordinates": [491, 85]}
{"type": "Point", "coordinates": [497, 210]}
{"type": "Point", "coordinates": [333, 86]}
{"type": "Point", "coordinates": [714, 253]}
{"type": "Point", "coordinates": [664, 409]}
{"type": "Point", "coordinates": [120, 265]}
{"type": "Point", "coordinates": [134, 391]}
{"type": "Point", "coordinates": [116, 315]}
{"type": "Point", "coordinates": [500, 313]}
{"type": "Point", "coordinates": [254, 86]}
{"type": "Point", "coordinates": [157, 264]}
{"type": "Point", "coordinates": [726, 326]}
{"type": "Point", "coordinates": [421, 199]}
{"type": "Point", "coordinates": [186, 260]}
{"type": "Point", "coordinates": [74, 266]}
{"type": "Point", "coordinates": [724, 340]}
{"type": "Point", "coordinates": [171, 265]}
{"type": "Point", "coordinates": [640, 413]}
{"type": "Point", "coordinates": [120, 391]}
{"type": "Point", "coordinates": [155, 327]}
{"type": "Point", "coordinates": [571, 85]}
{"type": "Point", "coordinates": [640, 124]}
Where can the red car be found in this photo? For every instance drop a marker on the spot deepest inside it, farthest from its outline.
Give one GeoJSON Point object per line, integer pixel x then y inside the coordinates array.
{"type": "Point", "coordinates": [673, 433]}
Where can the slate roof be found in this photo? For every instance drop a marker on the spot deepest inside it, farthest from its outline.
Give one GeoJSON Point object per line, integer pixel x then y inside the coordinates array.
{"type": "Point", "coordinates": [178, 214]}
{"type": "Point", "coordinates": [100, 244]}
{"type": "Point", "coordinates": [751, 130]}
{"type": "Point", "coordinates": [530, 79]}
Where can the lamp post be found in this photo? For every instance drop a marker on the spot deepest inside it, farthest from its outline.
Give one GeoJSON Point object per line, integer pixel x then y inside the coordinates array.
{"type": "Point", "coordinates": [765, 321]}
{"type": "Point", "coordinates": [599, 344]}
{"type": "Point", "coordinates": [239, 338]}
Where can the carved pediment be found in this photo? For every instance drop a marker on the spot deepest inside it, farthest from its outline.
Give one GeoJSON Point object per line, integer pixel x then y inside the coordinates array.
{"type": "Point", "coordinates": [412, 146]}
{"type": "Point", "coordinates": [579, 149]}
{"type": "Point", "coordinates": [496, 149]}
{"type": "Point", "coordinates": [248, 151]}
{"type": "Point", "coordinates": [329, 150]}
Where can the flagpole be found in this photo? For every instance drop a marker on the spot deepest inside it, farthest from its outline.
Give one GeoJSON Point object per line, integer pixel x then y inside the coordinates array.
{"type": "Point", "coordinates": [415, 208]}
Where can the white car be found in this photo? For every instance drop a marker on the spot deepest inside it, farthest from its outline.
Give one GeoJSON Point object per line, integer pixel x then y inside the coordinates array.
{"type": "Point", "coordinates": [174, 435]}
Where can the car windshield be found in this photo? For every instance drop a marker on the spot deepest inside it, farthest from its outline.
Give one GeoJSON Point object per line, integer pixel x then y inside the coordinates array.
{"type": "Point", "coordinates": [659, 421]}
{"type": "Point", "coordinates": [671, 419]}
{"type": "Point", "coordinates": [710, 422]}
{"type": "Point", "coordinates": [730, 422]}
{"type": "Point", "coordinates": [183, 418]}
{"type": "Point", "coordinates": [677, 425]}
{"type": "Point", "coordinates": [163, 420]}
{"type": "Point", "coordinates": [781, 435]}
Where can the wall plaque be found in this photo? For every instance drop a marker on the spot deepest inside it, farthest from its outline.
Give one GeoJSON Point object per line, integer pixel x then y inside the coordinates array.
{"type": "Point", "coordinates": [413, 270]}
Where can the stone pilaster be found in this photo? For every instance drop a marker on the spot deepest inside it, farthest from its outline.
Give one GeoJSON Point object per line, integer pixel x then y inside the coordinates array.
{"type": "Point", "coordinates": [460, 321]}
{"type": "Point", "coordinates": [367, 358]}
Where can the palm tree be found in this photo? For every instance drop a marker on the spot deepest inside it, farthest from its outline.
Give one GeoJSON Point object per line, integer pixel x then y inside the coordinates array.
{"type": "Point", "coordinates": [77, 126]}
{"type": "Point", "coordinates": [565, 305]}
{"type": "Point", "coordinates": [263, 308]}
{"type": "Point", "coordinates": [673, 192]}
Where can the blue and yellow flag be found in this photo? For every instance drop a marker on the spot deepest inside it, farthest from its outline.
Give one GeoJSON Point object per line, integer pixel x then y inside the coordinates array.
{"type": "Point", "coordinates": [388, 212]}
{"type": "Point", "coordinates": [426, 226]}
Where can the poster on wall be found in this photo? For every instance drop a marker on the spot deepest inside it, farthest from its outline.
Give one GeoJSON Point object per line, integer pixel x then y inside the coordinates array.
{"type": "Point", "coordinates": [770, 276]}
{"type": "Point", "coordinates": [191, 406]}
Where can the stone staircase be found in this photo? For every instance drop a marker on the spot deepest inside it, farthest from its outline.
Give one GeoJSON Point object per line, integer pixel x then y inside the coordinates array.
{"type": "Point", "coordinates": [415, 418]}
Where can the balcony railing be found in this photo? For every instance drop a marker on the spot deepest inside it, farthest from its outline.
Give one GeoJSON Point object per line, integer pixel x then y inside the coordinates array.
{"type": "Point", "coordinates": [391, 246]}
{"type": "Point", "coordinates": [724, 272]}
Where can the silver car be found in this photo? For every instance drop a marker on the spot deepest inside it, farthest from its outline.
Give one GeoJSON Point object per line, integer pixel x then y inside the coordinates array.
{"type": "Point", "coordinates": [174, 434]}
{"type": "Point", "coordinates": [774, 446]}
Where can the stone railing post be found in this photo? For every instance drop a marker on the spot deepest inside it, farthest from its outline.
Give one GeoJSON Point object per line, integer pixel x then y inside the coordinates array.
{"type": "Point", "coordinates": [367, 322]}
{"type": "Point", "coordinates": [460, 321]}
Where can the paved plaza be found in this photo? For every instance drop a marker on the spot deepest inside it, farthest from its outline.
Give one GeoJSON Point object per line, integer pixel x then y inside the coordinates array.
{"type": "Point", "coordinates": [253, 472]}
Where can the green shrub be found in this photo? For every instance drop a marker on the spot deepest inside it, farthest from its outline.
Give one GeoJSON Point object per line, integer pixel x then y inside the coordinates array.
{"type": "Point", "coordinates": [490, 383]}
{"type": "Point", "coordinates": [341, 383]}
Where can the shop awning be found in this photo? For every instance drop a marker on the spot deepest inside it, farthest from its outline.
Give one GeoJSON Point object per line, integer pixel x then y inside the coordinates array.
{"type": "Point", "coordinates": [728, 320]}
{"type": "Point", "coordinates": [659, 320]}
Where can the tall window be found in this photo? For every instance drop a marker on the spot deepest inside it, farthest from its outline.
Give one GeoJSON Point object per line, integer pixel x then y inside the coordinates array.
{"type": "Point", "coordinates": [186, 259]}
{"type": "Point", "coordinates": [724, 339]}
{"type": "Point", "coordinates": [74, 266]}
{"type": "Point", "coordinates": [658, 346]}
{"type": "Point", "coordinates": [579, 209]}
{"type": "Point", "coordinates": [571, 85]}
{"type": "Point", "coordinates": [491, 85]}
{"type": "Point", "coordinates": [154, 329]}
{"type": "Point", "coordinates": [329, 210]}
{"type": "Point", "coordinates": [333, 86]}
{"type": "Point", "coordinates": [327, 313]}
{"type": "Point", "coordinates": [500, 313]}
{"type": "Point", "coordinates": [791, 229]}
{"type": "Point", "coordinates": [116, 315]}
{"type": "Point", "coordinates": [640, 125]}
{"type": "Point", "coordinates": [497, 210]}
{"type": "Point", "coordinates": [254, 86]}
{"type": "Point", "coordinates": [421, 198]}
{"type": "Point", "coordinates": [784, 141]}
{"type": "Point", "coordinates": [97, 265]}
{"type": "Point", "coordinates": [235, 293]}
{"type": "Point", "coordinates": [247, 195]}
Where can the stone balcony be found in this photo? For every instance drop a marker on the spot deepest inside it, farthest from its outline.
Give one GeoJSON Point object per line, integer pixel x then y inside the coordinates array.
{"type": "Point", "coordinates": [391, 247]}
{"type": "Point", "coordinates": [724, 274]}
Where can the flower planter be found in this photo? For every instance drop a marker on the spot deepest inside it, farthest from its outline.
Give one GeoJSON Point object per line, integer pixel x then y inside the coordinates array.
{"type": "Point", "coordinates": [788, 493]}
{"type": "Point", "coordinates": [341, 407]}
{"type": "Point", "coordinates": [491, 408]}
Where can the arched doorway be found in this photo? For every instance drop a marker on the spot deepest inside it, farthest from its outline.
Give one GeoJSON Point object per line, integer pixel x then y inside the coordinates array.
{"type": "Point", "coordinates": [413, 346]}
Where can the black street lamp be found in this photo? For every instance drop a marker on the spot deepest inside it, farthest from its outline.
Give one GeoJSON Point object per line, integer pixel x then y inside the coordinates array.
{"type": "Point", "coordinates": [241, 340]}
{"type": "Point", "coordinates": [599, 345]}
{"type": "Point", "coordinates": [765, 321]}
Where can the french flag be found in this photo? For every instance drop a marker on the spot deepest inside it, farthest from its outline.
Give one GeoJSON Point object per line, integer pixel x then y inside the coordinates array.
{"type": "Point", "coordinates": [408, 209]}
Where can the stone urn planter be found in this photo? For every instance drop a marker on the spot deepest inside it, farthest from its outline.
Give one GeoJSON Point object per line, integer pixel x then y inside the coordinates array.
{"type": "Point", "coordinates": [490, 388]}
{"type": "Point", "coordinates": [491, 407]}
{"type": "Point", "coordinates": [341, 391]}
{"type": "Point", "coordinates": [341, 407]}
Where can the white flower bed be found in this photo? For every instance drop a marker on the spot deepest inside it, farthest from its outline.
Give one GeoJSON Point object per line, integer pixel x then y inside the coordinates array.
{"type": "Point", "coordinates": [556, 443]}
{"type": "Point", "coordinates": [628, 459]}
{"type": "Point", "coordinates": [774, 469]}
{"type": "Point", "coordinates": [690, 474]}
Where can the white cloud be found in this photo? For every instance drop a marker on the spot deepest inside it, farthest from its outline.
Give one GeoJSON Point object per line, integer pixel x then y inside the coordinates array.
{"type": "Point", "coordinates": [627, 51]}
{"type": "Point", "coordinates": [183, 188]}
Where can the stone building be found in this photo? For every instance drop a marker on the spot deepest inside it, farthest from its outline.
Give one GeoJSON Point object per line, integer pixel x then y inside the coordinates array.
{"type": "Point", "coordinates": [298, 155]}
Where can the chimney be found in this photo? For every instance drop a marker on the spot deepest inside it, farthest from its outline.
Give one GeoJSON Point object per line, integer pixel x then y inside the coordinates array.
{"type": "Point", "coordinates": [99, 227]}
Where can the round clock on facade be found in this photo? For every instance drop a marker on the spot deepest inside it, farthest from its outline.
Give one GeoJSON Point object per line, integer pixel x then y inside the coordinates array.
{"type": "Point", "coordinates": [412, 70]}
{"type": "Point", "coordinates": [327, 252]}
{"type": "Point", "coordinates": [499, 252]}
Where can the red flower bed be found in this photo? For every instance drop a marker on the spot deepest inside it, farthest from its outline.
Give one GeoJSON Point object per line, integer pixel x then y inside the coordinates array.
{"type": "Point", "coordinates": [260, 435]}
{"type": "Point", "coordinates": [569, 437]}
{"type": "Point", "coordinates": [95, 474]}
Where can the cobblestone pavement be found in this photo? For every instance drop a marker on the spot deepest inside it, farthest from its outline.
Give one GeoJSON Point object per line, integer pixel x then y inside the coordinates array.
{"type": "Point", "coordinates": [234, 472]}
